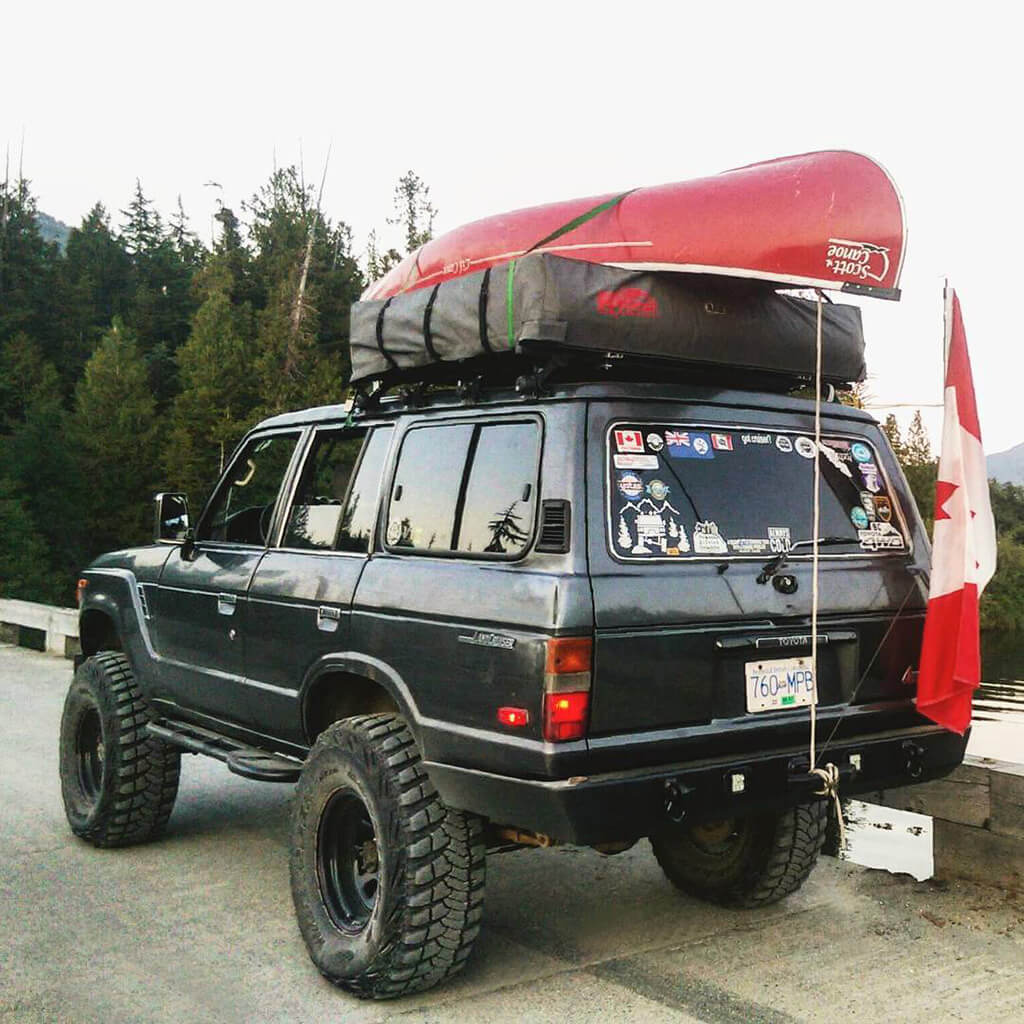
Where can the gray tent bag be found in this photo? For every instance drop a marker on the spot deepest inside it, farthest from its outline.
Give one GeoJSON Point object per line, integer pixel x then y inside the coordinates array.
{"type": "Point", "coordinates": [546, 302]}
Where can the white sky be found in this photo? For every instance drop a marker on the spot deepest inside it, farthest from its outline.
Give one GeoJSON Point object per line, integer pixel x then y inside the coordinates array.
{"type": "Point", "coordinates": [498, 106]}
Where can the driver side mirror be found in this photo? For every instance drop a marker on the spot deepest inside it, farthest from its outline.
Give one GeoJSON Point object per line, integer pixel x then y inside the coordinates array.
{"type": "Point", "coordinates": [172, 524]}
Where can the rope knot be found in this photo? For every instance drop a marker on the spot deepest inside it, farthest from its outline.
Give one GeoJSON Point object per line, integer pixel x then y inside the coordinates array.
{"type": "Point", "coordinates": [829, 776]}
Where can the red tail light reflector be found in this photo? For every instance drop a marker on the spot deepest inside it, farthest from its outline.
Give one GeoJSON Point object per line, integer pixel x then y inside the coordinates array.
{"type": "Point", "coordinates": [79, 590]}
{"type": "Point", "coordinates": [515, 717]}
{"type": "Point", "coordinates": [565, 715]}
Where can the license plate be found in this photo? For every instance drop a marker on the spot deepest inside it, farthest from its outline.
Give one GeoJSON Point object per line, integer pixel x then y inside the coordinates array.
{"type": "Point", "coordinates": [780, 683]}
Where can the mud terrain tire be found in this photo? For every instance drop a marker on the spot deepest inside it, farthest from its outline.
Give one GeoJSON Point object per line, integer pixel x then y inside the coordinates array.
{"type": "Point", "coordinates": [749, 861]}
{"type": "Point", "coordinates": [118, 781]}
{"type": "Point", "coordinates": [388, 883]}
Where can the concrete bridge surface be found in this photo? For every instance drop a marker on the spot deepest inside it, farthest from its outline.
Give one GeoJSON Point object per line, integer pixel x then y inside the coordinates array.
{"type": "Point", "coordinates": [199, 925]}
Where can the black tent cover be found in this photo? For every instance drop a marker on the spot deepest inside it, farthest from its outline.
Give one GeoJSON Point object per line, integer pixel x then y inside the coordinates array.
{"type": "Point", "coordinates": [546, 301]}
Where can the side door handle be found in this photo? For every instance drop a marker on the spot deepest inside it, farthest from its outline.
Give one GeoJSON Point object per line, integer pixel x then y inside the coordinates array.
{"type": "Point", "coordinates": [226, 604]}
{"type": "Point", "coordinates": [328, 618]}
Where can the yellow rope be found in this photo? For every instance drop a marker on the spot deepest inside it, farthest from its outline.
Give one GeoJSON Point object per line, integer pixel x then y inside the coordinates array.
{"type": "Point", "coordinates": [829, 774]}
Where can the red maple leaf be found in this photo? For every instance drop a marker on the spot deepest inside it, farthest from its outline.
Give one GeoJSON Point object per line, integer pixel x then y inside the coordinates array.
{"type": "Point", "coordinates": [944, 490]}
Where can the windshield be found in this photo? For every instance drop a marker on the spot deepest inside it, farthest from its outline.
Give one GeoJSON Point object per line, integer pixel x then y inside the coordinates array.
{"type": "Point", "coordinates": [690, 491]}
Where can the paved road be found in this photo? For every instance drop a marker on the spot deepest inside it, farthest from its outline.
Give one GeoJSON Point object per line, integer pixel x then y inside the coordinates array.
{"type": "Point", "coordinates": [199, 927]}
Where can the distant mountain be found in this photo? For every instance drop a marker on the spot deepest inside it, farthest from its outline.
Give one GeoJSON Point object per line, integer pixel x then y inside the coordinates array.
{"type": "Point", "coordinates": [52, 229]}
{"type": "Point", "coordinates": [1008, 466]}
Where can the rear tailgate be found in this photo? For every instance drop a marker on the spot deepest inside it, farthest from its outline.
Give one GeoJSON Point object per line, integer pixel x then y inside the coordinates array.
{"type": "Point", "coordinates": [687, 506]}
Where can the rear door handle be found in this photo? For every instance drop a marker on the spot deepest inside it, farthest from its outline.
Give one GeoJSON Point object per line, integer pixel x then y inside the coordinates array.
{"type": "Point", "coordinates": [226, 604]}
{"type": "Point", "coordinates": [328, 618]}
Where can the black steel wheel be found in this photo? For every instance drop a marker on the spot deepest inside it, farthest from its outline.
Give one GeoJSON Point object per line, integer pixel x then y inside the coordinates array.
{"type": "Point", "coordinates": [388, 883]}
{"type": "Point", "coordinates": [744, 861]}
{"type": "Point", "coordinates": [118, 782]}
{"type": "Point", "coordinates": [347, 862]}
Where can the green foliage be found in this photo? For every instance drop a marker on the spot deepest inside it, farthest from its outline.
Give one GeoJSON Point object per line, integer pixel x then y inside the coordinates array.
{"type": "Point", "coordinates": [1002, 604]}
{"type": "Point", "coordinates": [135, 359]}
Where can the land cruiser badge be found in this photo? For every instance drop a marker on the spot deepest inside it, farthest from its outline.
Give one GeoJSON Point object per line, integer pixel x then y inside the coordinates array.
{"type": "Point", "coordinates": [479, 639]}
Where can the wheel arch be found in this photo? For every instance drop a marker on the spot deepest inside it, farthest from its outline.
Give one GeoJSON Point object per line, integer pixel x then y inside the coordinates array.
{"type": "Point", "coordinates": [98, 630]}
{"type": "Point", "coordinates": [340, 686]}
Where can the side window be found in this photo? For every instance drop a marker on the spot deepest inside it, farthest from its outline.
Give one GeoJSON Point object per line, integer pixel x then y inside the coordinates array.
{"type": "Point", "coordinates": [315, 516]}
{"type": "Point", "coordinates": [243, 507]}
{"type": "Point", "coordinates": [421, 513]}
{"type": "Point", "coordinates": [360, 513]}
{"type": "Point", "coordinates": [467, 489]}
{"type": "Point", "coordinates": [497, 512]}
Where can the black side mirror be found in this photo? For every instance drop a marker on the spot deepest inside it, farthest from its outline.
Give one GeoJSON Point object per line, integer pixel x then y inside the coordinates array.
{"type": "Point", "coordinates": [172, 524]}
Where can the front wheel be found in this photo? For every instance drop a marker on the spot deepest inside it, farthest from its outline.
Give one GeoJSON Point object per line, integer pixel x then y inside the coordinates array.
{"type": "Point", "coordinates": [388, 883]}
{"type": "Point", "coordinates": [118, 782]}
{"type": "Point", "coordinates": [744, 861]}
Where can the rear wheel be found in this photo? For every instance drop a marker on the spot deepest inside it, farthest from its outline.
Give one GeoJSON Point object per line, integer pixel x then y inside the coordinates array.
{"type": "Point", "coordinates": [118, 781]}
{"type": "Point", "coordinates": [744, 861]}
{"type": "Point", "coordinates": [388, 883]}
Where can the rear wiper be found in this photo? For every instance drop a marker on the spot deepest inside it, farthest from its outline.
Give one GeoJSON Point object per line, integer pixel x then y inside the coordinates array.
{"type": "Point", "coordinates": [773, 565]}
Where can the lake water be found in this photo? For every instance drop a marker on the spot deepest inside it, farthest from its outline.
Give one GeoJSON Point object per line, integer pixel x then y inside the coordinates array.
{"type": "Point", "coordinates": [883, 837]}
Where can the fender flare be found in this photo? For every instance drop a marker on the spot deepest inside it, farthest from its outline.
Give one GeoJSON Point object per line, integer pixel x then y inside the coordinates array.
{"type": "Point", "coordinates": [374, 669]}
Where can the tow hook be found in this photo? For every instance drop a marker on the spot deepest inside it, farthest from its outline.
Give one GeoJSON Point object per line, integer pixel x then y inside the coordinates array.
{"type": "Point", "coordinates": [675, 800]}
{"type": "Point", "coordinates": [914, 754]}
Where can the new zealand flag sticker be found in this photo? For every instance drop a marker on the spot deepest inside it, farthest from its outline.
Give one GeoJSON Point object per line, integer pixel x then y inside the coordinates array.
{"type": "Point", "coordinates": [690, 446]}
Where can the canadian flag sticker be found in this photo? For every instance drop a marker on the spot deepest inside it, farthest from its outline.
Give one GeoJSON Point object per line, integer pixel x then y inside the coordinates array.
{"type": "Point", "coordinates": [629, 441]}
{"type": "Point", "coordinates": [722, 442]}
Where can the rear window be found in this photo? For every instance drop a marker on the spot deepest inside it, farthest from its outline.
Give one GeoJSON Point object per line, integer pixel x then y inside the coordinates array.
{"type": "Point", "coordinates": [696, 491]}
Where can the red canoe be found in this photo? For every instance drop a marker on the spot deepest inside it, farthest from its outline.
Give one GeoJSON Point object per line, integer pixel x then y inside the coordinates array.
{"type": "Point", "coordinates": [827, 220]}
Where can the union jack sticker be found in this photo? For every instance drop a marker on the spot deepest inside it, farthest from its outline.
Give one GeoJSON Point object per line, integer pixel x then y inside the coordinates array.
{"type": "Point", "coordinates": [674, 438]}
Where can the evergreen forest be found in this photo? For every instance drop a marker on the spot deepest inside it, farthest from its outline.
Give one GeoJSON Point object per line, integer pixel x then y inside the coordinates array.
{"type": "Point", "coordinates": [134, 357]}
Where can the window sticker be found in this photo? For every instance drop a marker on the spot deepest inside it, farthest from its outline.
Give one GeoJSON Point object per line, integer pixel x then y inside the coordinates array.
{"type": "Point", "coordinates": [805, 447]}
{"type": "Point", "coordinates": [883, 508]}
{"type": "Point", "coordinates": [881, 537]}
{"type": "Point", "coordinates": [707, 540]}
{"type": "Point", "coordinates": [828, 450]}
{"type": "Point", "coordinates": [721, 442]}
{"type": "Point", "coordinates": [779, 539]}
{"type": "Point", "coordinates": [859, 517]}
{"type": "Point", "coordinates": [783, 443]}
{"type": "Point", "coordinates": [655, 442]}
{"type": "Point", "coordinates": [689, 445]}
{"type": "Point", "coordinates": [748, 546]}
{"type": "Point", "coordinates": [636, 461]}
{"type": "Point", "coordinates": [869, 473]}
{"type": "Point", "coordinates": [756, 438]}
{"type": "Point", "coordinates": [629, 441]}
{"type": "Point", "coordinates": [650, 525]}
{"type": "Point", "coordinates": [861, 452]}
{"type": "Point", "coordinates": [867, 502]}
{"type": "Point", "coordinates": [630, 485]}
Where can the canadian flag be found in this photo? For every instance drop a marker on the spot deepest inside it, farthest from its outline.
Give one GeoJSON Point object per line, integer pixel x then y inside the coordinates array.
{"type": "Point", "coordinates": [963, 548]}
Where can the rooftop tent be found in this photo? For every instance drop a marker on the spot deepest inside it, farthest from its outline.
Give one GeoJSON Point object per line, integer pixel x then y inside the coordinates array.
{"type": "Point", "coordinates": [543, 301]}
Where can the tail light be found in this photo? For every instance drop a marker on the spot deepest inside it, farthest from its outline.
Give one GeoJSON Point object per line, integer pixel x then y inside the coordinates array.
{"type": "Point", "coordinates": [567, 675]}
{"type": "Point", "coordinates": [80, 591]}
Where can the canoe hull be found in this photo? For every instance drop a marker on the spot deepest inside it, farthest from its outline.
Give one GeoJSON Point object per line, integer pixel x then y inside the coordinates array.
{"type": "Point", "coordinates": [829, 220]}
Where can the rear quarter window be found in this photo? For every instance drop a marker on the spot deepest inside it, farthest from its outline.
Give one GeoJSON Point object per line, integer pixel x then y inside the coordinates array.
{"type": "Point", "coordinates": [683, 491]}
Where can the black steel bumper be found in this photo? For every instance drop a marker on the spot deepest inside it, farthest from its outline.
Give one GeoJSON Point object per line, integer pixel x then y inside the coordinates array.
{"type": "Point", "coordinates": [628, 804]}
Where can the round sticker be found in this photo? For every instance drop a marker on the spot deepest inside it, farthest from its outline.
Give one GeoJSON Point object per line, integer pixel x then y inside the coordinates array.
{"type": "Point", "coordinates": [861, 452]}
{"type": "Point", "coordinates": [805, 447]}
{"type": "Point", "coordinates": [859, 518]}
{"type": "Point", "coordinates": [700, 446]}
{"type": "Point", "coordinates": [631, 485]}
{"type": "Point", "coordinates": [394, 532]}
{"type": "Point", "coordinates": [655, 442]}
{"type": "Point", "coordinates": [783, 443]}
{"type": "Point", "coordinates": [658, 490]}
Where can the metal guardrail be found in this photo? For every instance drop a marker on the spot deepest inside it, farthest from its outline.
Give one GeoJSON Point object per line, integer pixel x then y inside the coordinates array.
{"type": "Point", "coordinates": [59, 625]}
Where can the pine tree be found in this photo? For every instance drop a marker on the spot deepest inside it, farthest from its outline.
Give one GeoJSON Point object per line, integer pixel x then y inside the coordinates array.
{"type": "Point", "coordinates": [918, 449]}
{"type": "Point", "coordinates": [24, 563]}
{"type": "Point", "coordinates": [413, 210]}
{"type": "Point", "coordinates": [218, 390]}
{"type": "Point", "coordinates": [891, 429]}
{"type": "Point", "coordinates": [115, 442]}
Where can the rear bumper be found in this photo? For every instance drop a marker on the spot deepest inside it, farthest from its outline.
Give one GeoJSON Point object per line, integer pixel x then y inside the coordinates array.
{"type": "Point", "coordinates": [625, 805]}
